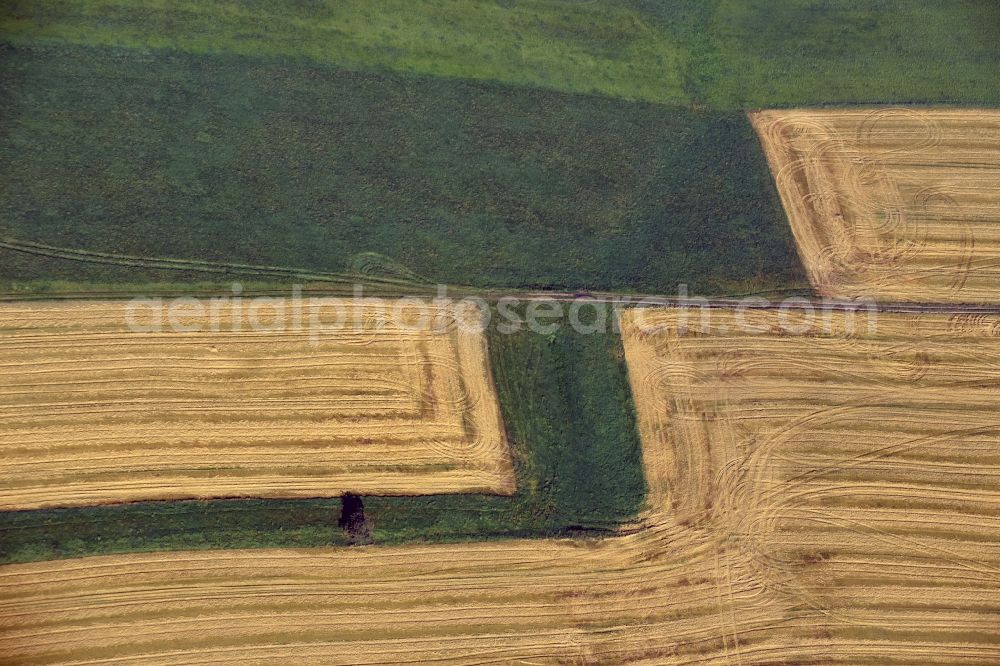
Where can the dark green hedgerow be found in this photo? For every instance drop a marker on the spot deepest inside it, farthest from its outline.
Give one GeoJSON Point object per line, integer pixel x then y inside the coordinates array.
{"type": "Point", "coordinates": [230, 159]}
{"type": "Point", "coordinates": [566, 403]}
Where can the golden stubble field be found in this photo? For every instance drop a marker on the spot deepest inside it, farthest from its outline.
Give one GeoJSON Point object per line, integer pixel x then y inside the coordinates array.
{"type": "Point", "coordinates": [898, 204]}
{"type": "Point", "coordinates": [820, 493]}
{"type": "Point", "coordinates": [387, 402]}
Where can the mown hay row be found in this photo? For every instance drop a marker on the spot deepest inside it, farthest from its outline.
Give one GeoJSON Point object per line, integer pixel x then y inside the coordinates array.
{"type": "Point", "coordinates": [899, 204]}
{"type": "Point", "coordinates": [260, 403]}
{"type": "Point", "coordinates": [770, 536]}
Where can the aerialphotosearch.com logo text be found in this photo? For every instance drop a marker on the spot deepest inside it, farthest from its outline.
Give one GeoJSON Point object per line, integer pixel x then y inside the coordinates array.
{"type": "Point", "coordinates": [544, 314]}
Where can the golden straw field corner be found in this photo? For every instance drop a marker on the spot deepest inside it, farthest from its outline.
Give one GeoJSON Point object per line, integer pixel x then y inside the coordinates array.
{"type": "Point", "coordinates": [818, 494]}
{"type": "Point", "coordinates": [95, 412]}
{"type": "Point", "coordinates": [898, 204]}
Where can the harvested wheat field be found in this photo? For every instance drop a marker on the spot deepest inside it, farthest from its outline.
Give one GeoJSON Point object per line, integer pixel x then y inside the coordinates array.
{"type": "Point", "coordinates": [815, 498]}
{"type": "Point", "coordinates": [899, 204]}
{"type": "Point", "coordinates": [260, 403]}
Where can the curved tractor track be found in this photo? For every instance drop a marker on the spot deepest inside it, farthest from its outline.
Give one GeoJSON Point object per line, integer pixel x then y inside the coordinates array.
{"type": "Point", "coordinates": [823, 496]}
{"type": "Point", "coordinates": [899, 204]}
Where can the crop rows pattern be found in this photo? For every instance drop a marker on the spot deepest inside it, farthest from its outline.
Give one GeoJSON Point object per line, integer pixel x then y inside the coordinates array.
{"type": "Point", "coordinates": [828, 495]}
{"type": "Point", "coordinates": [276, 400]}
{"type": "Point", "coordinates": [895, 204]}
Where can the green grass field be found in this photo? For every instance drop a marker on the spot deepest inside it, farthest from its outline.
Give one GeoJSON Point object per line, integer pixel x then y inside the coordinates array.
{"type": "Point", "coordinates": [569, 46]}
{"type": "Point", "coordinates": [729, 54]}
{"type": "Point", "coordinates": [228, 159]}
{"type": "Point", "coordinates": [570, 419]}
